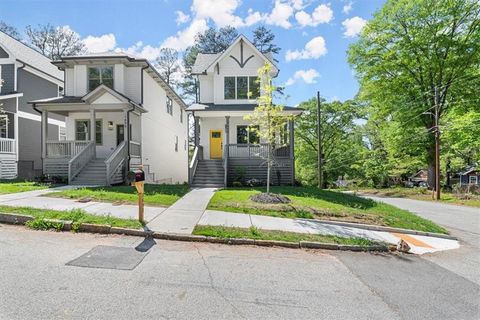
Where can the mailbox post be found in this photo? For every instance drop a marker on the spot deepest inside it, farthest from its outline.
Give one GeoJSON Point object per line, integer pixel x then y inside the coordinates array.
{"type": "Point", "coordinates": [137, 179]}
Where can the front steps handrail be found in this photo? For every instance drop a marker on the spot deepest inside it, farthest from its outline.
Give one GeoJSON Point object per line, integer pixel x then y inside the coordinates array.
{"type": "Point", "coordinates": [80, 160]}
{"type": "Point", "coordinates": [116, 160]}
{"type": "Point", "coordinates": [192, 168]}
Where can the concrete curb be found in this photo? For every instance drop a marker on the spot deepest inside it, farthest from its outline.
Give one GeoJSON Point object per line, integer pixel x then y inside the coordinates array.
{"type": "Point", "coordinates": [382, 228]}
{"type": "Point", "coordinates": [106, 229]}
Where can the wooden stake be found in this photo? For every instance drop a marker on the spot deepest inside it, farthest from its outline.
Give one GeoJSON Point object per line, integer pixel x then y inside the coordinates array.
{"type": "Point", "coordinates": [141, 208]}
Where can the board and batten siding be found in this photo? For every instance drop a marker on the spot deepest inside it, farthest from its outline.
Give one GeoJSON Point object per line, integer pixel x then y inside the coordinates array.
{"type": "Point", "coordinates": [160, 131]}
{"type": "Point", "coordinates": [8, 76]}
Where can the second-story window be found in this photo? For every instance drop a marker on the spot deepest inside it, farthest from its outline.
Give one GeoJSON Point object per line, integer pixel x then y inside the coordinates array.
{"type": "Point", "coordinates": [241, 88]}
{"type": "Point", "coordinates": [229, 91]}
{"type": "Point", "coordinates": [181, 115]}
{"type": "Point", "coordinates": [169, 105]}
{"type": "Point", "coordinates": [100, 75]}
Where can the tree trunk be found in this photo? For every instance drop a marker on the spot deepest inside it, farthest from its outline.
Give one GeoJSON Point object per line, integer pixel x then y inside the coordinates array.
{"type": "Point", "coordinates": [431, 166]}
{"type": "Point", "coordinates": [268, 168]}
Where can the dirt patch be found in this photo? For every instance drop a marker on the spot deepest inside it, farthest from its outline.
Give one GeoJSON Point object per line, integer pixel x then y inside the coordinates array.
{"type": "Point", "coordinates": [269, 198]}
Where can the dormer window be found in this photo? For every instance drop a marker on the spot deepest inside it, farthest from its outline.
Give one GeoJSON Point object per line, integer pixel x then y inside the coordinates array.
{"type": "Point", "coordinates": [100, 75]}
{"type": "Point", "coordinates": [241, 88]}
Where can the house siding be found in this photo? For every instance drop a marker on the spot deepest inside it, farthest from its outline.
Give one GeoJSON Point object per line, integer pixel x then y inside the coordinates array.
{"type": "Point", "coordinates": [3, 54]}
{"type": "Point", "coordinates": [8, 76]}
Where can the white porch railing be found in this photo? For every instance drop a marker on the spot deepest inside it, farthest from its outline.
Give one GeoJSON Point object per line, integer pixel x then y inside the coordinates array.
{"type": "Point", "coordinates": [116, 161]}
{"type": "Point", "coordinates": [7, 145]}
{"type": "Point", "coordinates": [253, 151]}
{"type": "Point", "coordinates": [135, 149]}
{"type": "Point", "coordinates": [80, 160]}
{"type": "Point", "coordinates": [65, 149]}
{"type": "Point", "coordinates": [192, 168]}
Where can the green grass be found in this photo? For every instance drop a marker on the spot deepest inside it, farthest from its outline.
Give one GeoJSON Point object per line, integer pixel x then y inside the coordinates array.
{"type": "Point", "coordinates": [254, 233]}
{"type": "Point", "coordinates": [423, 194]}
{"type": "Point", "coordinates": [155, 194]}
{"type": "Point", "coordinates": [14, 186]}
{"type": "Point", "coordinates": [312, 203]}
{"type": "Point", "coordinates": [78, 216]}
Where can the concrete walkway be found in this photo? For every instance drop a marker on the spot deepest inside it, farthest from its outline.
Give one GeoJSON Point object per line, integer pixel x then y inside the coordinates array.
{"type": "Point", "coordinates": [184, 214]}
{"type": "Point", "coordinates": [419, 244]}
{"type": "Point", "coordinates": [39, 199]}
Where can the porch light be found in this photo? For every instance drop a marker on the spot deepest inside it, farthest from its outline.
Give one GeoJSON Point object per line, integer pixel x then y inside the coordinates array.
{"type": "Point", "coordinates": [110, 125]}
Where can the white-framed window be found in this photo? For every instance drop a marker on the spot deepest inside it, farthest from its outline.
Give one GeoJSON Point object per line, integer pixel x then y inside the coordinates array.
{"type": "Point", "coordinates": [100, 75]}
{"type": "Point", "coordinates": [247, 135]}
{"type": "Point", "coordinates": [62, 133]}
{"type": "Point", "coordinates": [176, 143]}
{"type": "Point", "coordinates": [473, 180]}
{"type": "Point", "coordinates": [241, 88]}
{"type": "Point", "coordinates": [82, 130]}
{"type": "Point", "coordinates": [3, 126]}
{"type": "Point", "coordinates": [169, 106]}
{"type": "Point", "coordinates": [181, 115]}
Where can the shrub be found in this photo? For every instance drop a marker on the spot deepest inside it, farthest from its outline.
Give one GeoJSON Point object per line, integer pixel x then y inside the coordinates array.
{"type": "Point", "coordinates": [237, 184]}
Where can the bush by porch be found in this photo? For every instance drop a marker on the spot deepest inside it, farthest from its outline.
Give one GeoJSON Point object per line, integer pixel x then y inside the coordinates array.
{"type": "Point", "coordinates": [312, 203]}
{"type": "Point", "coordinates": [155, 194]}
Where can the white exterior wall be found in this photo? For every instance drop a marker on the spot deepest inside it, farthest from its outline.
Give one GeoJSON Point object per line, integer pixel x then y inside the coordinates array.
{"type": "Point", "coordinates": [132, 85]}
{"type": "Point", "coordinates": [109, 136]}
{"type": "Point", "coordinates": [218, 123]}
{"type": "Point", "coordinates": [159, 131]}
{"type": "Point", "coordinates": [206, 88]}
{"type": "Point", "coordinates": [118, 77]}
{"type": "Point", "coordinates": [80, 82]}
{"type": "Point", "coordinates": [69, 82]}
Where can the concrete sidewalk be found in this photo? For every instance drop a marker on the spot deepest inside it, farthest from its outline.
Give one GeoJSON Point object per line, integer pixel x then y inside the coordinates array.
{"type": "Point", "coordinates": [184, 214]}
{"type": "Point", "coordinates": [419, 244]}
{"type": "Point", "coordinates": [39, 199]}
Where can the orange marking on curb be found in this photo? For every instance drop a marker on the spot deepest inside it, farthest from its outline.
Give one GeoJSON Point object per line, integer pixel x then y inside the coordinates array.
{"type": "Point", "coordinates": [412, 240]}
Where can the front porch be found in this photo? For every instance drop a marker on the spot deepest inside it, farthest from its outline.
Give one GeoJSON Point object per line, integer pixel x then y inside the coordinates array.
{"type": "Point", "coordinates": [227, 150]}
{"type": "Point", "coordinates": [9, 136]}
{"type": "Point", "coordinates": [102, 138]}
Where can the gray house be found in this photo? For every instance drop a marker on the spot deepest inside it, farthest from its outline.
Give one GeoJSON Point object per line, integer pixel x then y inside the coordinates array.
{"type": "Point", "coordinates": [27, 75]}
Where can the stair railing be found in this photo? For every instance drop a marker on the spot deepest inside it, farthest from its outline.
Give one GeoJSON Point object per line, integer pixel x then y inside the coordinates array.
{"type": "Point", "coordinates": [80, 160]}
{"type": "Point", "coordinates": [225, 165]}
{"type": "Point", "coordinates": [192, 168]}
{"type": "Point", "coordinates": [116, 161]}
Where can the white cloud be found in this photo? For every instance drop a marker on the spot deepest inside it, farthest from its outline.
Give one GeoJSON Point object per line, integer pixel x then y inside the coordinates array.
{"type": "Point", "coordinates": [181, 17]}
{"type": "Point", "coordinates": [347, 8]}
{"type": "Point", "coordinates": [353, 26]}
{"type": "Point", "coordinates": [314, 49]}
{"type": "Point", "coordinates": [185, 38]}
{"type": "Point", "coordinates": [322, 14]}
{"type": "Point", "coordinates": [220, 11]}
{"type": "Point", "coordinates": [280, 15]}
{"type": "Point", "coordinates": [308, 76]}
{"type": "Point", "coordinates": [104, 43]}
{"type": "Point", "coordinates": [253, 17]}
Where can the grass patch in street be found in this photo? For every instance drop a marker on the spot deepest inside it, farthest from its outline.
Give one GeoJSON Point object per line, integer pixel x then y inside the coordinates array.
{"type": "Point", "coordinates": [155, 194]}
{"type": "Point", "coordinates": [14, 186]}
{"type": "Point", "coordinates": [423, 194]}
{"type": "Point", "coordinates": [78, 216]}
{"type": "Point", "coordinates": [312, 203]}
{"type": "Point", "coordinates": [259, 234]}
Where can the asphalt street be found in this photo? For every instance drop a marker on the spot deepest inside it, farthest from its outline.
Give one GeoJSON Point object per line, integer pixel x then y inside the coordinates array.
{"type": "Point", "coordinates": [183, 280]}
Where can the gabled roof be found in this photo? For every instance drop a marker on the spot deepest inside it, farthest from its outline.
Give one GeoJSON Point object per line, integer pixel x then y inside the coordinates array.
{"type": "Point", "coordinates": [27, 55]}
{"type": "Point", "coordinates": [205, 62]}
{"type": "Point", "coordinates": [469, 170]}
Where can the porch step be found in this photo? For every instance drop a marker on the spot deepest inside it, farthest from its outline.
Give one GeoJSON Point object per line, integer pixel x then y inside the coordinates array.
{"type": "Point", "coordinates": [94, 173]}
{"type": "Point", "coordinates": [209, 173]}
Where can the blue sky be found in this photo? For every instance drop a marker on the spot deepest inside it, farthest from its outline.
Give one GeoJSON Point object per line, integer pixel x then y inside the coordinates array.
{"type": "Point", "coordinates": [313, 34]}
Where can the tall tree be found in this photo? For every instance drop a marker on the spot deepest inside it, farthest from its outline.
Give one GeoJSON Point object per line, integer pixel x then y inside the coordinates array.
{"type": "Point", "coordinates": [211, 41]}
{"type": "Point", "coordinates": [168, 65]}
{"type": "Point", "coordinates": [263, 40]}
{"type": "Point", "coordinates": [55, 42]}
{"type": "Point", "coordinates": [413, 49]}
{"type": "Point", "coordinates": [10, 30]}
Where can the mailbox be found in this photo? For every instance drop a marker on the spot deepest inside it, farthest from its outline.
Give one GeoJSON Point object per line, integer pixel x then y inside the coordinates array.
{"type": "Point", "coordinates": [136, 176]}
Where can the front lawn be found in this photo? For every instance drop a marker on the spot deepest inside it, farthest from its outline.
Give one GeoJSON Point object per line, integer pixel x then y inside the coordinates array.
{"type": "Point", "coordinates": [254, 233]}
{"type": "Point", "coordinates": [423, 194]}
{"type": "Point", "coordinates": [14, 186]}
{"type": "Point", "coordinates": [155, 194]}
{"type": "Point", "coordinates": [312, 203]}
{"type": "Point", "coordinates": [78, 216]}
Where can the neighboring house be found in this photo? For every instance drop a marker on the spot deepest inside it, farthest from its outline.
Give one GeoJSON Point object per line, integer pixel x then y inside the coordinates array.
{"type": "Point", "coordinates": [419, 179]}
{"type": "Point", "coordinates": [27, 75]}
{"type": "Point", "coordinates": [470, 177]}
{"type": "Point", "coordinates": [119, 114]}
{"type": "Point", "coordinates": [224, 144]}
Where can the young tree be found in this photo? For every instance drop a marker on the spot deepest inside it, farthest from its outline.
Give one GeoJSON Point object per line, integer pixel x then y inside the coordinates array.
{"type": "Point", "coordinates": [267, 119]}
{"type": "Point", "coordinates": [55, 42]}
{"type": "Point", "coordinates": [10, 30]}
{"type": "Point", "coordinates": [263, 40]}
{"type": "Point", "coordinates": [168, 64]}
{"type": "Point", "coordinates": [413, 51]}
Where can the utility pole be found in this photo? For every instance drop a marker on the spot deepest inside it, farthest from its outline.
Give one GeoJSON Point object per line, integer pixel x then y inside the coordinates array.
{"type": "Point", "coordinates": [319, 134]}
{"type": "Point", "coordinates": [437, 145]}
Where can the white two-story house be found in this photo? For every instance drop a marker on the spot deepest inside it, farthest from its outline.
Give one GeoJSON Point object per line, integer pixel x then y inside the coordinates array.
{"type": "Point", "coordinates": [119, 114]}
{"type": "Point", "coordinates": [225, 144]}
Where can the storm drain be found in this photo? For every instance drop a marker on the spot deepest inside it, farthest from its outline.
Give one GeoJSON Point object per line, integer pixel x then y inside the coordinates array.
{"type": "Point", "coordinates": [107, 257]}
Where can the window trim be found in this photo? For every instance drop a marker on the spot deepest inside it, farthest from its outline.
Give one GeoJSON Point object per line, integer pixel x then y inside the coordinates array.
{"type": "Point", "coordinates": [6, 125]}
{"type": "Point", "coordinates": [248, 129]}
{"type": "Point", "coordinates": [87, 138]}
{"type": "Point", "coordinates": [100, 67]}
{"type": "Point", "coordinates": [169, 110]}
{"type": "Point", "coordinates": [470, 180]}
{"type": "Point", "coordinates": [236, 88]}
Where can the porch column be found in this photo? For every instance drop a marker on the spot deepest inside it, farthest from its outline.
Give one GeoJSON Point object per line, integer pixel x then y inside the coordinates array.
{"type": "Point", "coordinates": [93, 128]}
{"type": "Point", "coordinates": [227, 149]}
{"type": "Point", "coordinates": [227, 130]}
{"type": "Point", "coordinates": [196, 131]}
{"type": "Point", "coordinates": [291, 136]}
{"type": "Point", "coordinates": [44, 133]}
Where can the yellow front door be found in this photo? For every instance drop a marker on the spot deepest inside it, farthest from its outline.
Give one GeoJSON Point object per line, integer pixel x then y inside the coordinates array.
{"type": "Point", "coordinates": [215, 144]}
